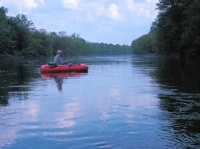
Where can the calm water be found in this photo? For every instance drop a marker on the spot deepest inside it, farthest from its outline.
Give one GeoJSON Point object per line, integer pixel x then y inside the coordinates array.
{"type": "Point", "coordinates": [122, 102]}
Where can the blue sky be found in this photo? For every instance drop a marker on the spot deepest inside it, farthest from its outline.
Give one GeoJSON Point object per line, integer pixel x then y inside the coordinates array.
{"type": "Point", "coordinates": [107, 21]}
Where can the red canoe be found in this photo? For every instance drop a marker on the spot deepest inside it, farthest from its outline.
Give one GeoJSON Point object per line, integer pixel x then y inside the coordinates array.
{"type": "Point", "coordinates": [64, 68]}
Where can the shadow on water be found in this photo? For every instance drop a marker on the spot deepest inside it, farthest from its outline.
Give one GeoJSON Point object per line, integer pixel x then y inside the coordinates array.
{"type": "Point", "coordinates": [179, 96]}
{"type": "Point", "coordinates": [15, 76]}
{"type": "Point", "coordinates": [59, 77]}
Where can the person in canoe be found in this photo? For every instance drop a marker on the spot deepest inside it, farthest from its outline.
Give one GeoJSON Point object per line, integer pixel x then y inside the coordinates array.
{"type": "Point", "coordinates": [58, 60]}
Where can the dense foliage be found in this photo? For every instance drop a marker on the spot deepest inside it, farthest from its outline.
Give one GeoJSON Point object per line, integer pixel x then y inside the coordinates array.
{"type": "Point", "coordinates": [18, 36]}
{"type": "Point", "coordinates": [175, 31]}
{"type": "Point", "coordinates": [145, 44]}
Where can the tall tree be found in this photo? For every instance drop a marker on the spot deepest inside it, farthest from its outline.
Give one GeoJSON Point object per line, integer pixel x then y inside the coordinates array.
{"type": "Point", "coordinates": [178, 27]}
{"type": "Point", "coordinates": [169, 23]}
{"type": "Point", "coordinates": [190, 41]}
{"type": "Point", "coordinates": [6, 43]}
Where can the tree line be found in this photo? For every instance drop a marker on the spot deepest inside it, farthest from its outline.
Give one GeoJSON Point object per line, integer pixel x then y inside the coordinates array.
{"type": "Point", "coordinates": [18, 36]}
{"type": "Point", "coordinates": [175, 31]}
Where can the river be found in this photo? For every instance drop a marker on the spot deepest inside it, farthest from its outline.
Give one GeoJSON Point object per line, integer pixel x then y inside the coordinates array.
{"type": "Point", "coordinates": [121, 102]}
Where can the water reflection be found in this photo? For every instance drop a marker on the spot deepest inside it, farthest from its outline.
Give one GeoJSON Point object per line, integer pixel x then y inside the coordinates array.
{"type": "Point", "coordinates": [59, 82]}
{"type": "Point", "coordinates": [15, 76]}
{"type": "Point", "coordinates": [59, 77]}
{"type": "Point", "coordinates": [179, 97]}
{"type": "Point", "coordinates": [123, 102]}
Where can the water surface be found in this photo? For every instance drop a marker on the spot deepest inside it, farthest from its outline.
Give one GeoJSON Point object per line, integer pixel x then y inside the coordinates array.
{"type": "Point", "coordinates": [122, 102]}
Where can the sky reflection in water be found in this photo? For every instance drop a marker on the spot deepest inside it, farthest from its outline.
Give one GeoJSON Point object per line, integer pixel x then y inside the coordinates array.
{"type": "Point", "coordinates": [119, 103]}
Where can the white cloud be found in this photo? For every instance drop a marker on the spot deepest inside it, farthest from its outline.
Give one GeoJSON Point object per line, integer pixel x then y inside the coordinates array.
{"type": "Point", "coordinates": [152, 1]}
{"type": "Point", "coordinates": [29, 4]}
{"type": "Point", "coordinates": [130, 5]}
{"type": "Point", "coordinates": [144, 9]}
{"type": "Point", "coordinates": [71, 4]}
{"type": "Point", "coordinates": [23, 5]}
{"type": "Point", "coordinates": [113, 12]}
{"type": "Point", "coordinates": [93, 10]}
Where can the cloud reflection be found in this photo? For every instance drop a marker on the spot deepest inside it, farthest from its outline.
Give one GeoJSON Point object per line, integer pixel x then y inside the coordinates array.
{"type": "Point", "coordinates": [14, 120]}
{"type": "Point", "coordinates": [67, 118]}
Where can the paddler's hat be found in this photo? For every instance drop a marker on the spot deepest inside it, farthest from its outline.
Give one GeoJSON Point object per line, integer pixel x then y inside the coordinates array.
{"type": "Point", "coordinates": [59, 51]}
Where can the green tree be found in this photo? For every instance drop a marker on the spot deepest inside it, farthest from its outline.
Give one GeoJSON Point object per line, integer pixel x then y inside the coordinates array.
{"type": "Point", "coordinates": [6, 42]}
{"type": "Point", "coordinates": [190, 41]}
{"type": "Point", "coordinates": [177, 27]}
{"type": "Point", "coordinates": [145, 44]}
{"type": "Point", "coordinates": [169, 23]}
{"type": "Point", "coordinates": [40, 43]}
{"type": "Point", "coordinates": [21, 31]}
